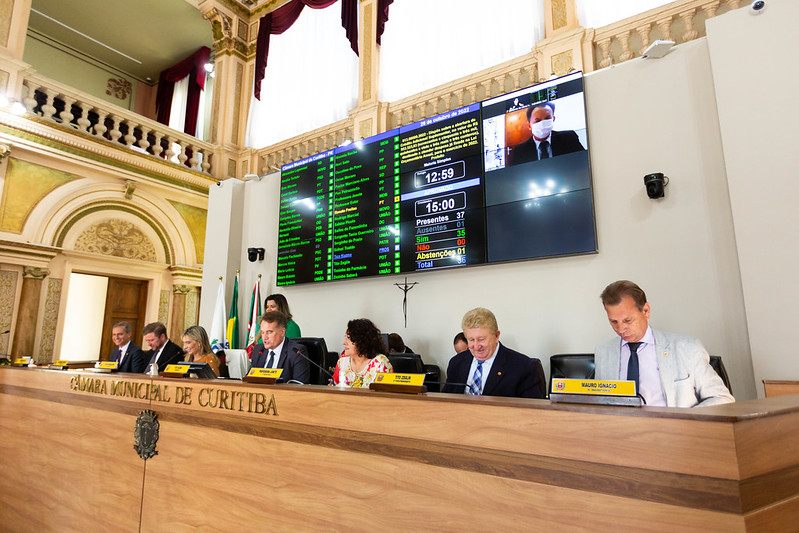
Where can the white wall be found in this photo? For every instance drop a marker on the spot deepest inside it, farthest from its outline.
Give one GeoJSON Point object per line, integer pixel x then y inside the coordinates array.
{"type": "Point", "coordinates": [756, 79]}
{"type": "Point", "coordinates": [643, 116]}
{"type": "Point", "coordinates": [83, 322]}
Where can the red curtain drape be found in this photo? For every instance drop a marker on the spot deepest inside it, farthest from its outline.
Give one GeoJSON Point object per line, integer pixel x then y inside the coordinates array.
{"type": "Point", "coordinates": [382, 17]}
{"type": "Point", "coordinates": [281, 19]}
{"type": "Point", "coordinates": [193, 66]}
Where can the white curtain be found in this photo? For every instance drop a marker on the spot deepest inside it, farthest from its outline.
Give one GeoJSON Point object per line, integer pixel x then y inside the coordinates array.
{"type": "Point", "coordinates": [598, 13]}
{"type": "Point", "coordinates": [177, 114]}
{"type": "Point", "coordinates": [311, 79]}
{"type": "Point", "coordinates": [430, 42]}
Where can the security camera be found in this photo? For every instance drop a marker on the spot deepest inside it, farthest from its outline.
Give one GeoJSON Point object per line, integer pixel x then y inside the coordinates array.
{"type": "Point", "coordinates": [255, 254]}
{"type": "Point", "coordinates": [655, 184]}
{"type": "Point", "coordinates": [757, 7]}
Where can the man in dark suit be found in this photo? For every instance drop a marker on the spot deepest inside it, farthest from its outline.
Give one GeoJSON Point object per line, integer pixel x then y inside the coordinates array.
{"type": "Point", "coordinates": [488, 368]}
{"type": "Point", "coordinates": [276, 351]}
{"type": "Point", "coordinates": [544, 143]}
{"type": "Point", "coordinates": [127, 353]}
{"type": "Point", "coordinates": [162, 350]}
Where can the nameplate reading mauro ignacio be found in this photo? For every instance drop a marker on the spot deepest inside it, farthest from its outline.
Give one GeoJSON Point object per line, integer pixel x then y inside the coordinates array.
{"type": "Point", "coordinates": [146, 434]}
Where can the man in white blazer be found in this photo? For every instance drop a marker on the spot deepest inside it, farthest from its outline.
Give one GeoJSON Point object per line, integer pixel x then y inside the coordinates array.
{"type": "Point", "coordinates": [671, 370]}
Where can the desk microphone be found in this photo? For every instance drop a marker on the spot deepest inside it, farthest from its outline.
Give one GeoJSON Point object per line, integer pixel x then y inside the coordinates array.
{"type": "Point", "coordinates": [314, 363]}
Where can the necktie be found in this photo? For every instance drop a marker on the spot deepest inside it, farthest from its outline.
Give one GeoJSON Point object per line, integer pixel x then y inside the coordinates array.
{"type": "Point", "coordinates": [155, 357]}
{"type": "Point", "coordinates": [121, 355]}
{"type": "Point", "coordinates": [477, 380]}
{"type": "Point", "coordinates": [270, 359]}
{"type": "Point", "coordinates": [544, 148]}
{"type": "Point", "coordinates": [632, 364]}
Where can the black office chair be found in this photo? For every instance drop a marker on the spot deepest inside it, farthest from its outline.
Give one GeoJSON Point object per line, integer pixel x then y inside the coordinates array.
{"type": "Point", "coordinates": [317, 352]}
{"type": "Point", "coordinates": [406, 363]}
{"type": "Point", "coordinates": [571, 365]}
{"type": "Point", "coordinates": [542, 378]}
{"type": "Point", "coordinates": [432, 378]}
{"type": "Point", "coordinates": [718, 366]}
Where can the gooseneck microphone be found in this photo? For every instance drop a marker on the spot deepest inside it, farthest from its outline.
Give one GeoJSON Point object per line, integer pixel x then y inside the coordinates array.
{"type": "Point", "coordinates": [314, 363]}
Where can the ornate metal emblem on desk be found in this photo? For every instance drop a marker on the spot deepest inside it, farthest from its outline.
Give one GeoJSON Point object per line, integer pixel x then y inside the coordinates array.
{"type": "Point", "coordinates": [146, 434]}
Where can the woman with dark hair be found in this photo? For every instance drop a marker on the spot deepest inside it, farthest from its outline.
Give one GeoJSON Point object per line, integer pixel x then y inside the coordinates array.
{"type": "Point", "coordinates": [198, 348]}
{"type": "Point", "coordinates": [362, 358]}
{"type": "Point", "coordinates": [278, 302]}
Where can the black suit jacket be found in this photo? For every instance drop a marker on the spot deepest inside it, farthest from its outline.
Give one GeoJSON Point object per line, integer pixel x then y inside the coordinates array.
{"type": "Point", "coordinates": [563, 142]}
{"type": "Point", "coordinates": [171, 354]}
{"type": "Point", "coordinates": [512, 374]}
{"type": "Point", "coordinates": [135, 360]}
{"type": "Point", "coordinates": [294, 366]}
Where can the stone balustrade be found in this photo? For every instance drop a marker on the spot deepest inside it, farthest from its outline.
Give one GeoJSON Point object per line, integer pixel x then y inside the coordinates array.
{"type": "Point", "coordinates": [99, 119]}
{"type": "Point", "coordinates": [680, 21]}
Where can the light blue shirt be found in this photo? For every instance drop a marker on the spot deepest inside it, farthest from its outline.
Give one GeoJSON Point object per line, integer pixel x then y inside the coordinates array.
{"type": "Point", "coordinates": [648, 371]}
{"type": "Point", "coordinates": [486, 370]}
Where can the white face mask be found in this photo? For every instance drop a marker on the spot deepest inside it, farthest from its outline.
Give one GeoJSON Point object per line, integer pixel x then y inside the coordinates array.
{"type": "Point", "coordinates": [542, 129]}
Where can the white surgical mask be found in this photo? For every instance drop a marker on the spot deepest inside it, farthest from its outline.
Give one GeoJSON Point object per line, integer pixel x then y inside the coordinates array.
{"type": "Point", "coordinates": [542, 129]}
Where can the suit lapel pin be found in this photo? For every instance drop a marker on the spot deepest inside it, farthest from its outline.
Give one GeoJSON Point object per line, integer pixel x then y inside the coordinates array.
{"type": "Point", "coordinates": [499, 373]}
{"type": "Point", "coordinates": [665, 354]}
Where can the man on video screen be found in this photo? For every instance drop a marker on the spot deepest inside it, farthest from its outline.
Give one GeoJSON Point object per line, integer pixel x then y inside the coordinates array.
{"type": "Point", "coordinates": [544, 142]}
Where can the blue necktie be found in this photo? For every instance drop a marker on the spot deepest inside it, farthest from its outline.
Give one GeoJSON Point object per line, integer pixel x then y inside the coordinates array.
{"type": "Point", "coordinates": [477, 380]}
{"type": "Point", "coordinates": [632, 364]}
{"type": "Point", "coordinates": [270, 359]}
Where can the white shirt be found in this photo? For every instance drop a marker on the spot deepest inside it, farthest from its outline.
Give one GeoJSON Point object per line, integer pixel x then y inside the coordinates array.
{"type": "Point", "coordinates": [278, 350]}
{"type": "Point", "coordinates": [649, 385]}
{"type": "Point", "coordinates": [123, 350]}
{"type": "Point", "coordinates": [486, 370]}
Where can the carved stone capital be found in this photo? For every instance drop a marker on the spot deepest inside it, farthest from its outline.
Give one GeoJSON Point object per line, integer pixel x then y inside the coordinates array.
{"type": "Point", "coordinates": [35, 272]}
{"type": "Point", "coordinates": [182, 289]}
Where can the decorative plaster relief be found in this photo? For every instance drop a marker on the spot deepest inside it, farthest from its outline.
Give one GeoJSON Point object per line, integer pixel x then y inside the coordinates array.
{"type": "Point", "coordinates": [559, 17]}
{"type": "Point", "coordinates": [562, 63]}
{"type": "Point", "coordinates": [8, 289]}
{"type": "Point", "coordinates": [49, 320]}
{"type": "Point", "coordinates": [163, 307]}
{"type": "Point", "coordinates": [119, 88]}
{"type": "Point", "coordinates": [117, 238]}
{"type": "Point", "coordinates": [6, 13]}
{"type": "Point", "coordinates": [190, 316]}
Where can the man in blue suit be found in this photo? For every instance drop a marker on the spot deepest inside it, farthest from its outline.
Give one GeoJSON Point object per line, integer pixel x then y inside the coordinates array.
{"type": "Point", "coordinates": [127, 353]}
{"type": "Point", "coordinates": [488, 368]}
{"type": "Point", "coordinates": [670, 370]}
{"type": "Point", "coordinates": [276, 351]}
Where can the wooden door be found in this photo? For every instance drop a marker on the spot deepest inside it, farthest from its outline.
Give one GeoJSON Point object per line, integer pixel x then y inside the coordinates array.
{"type": "Point", "coordinates": [126, 300]}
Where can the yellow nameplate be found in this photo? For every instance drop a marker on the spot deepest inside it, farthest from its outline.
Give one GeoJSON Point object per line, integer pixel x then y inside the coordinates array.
{"type": "Point", "coordinates": [177, 369]}
{"type": "Point", "coordinates": [265, 373]}
{"type": "Point", "coordinates": [22, 361]}
{"type": "Point", "coordinates": [61, 362]}
{"type": "Point", "coordinates": [589, 386]}
{"type": "Point", "coordinates": [400, 379]}
{"type": "Point", "coordinates": [111, 365]}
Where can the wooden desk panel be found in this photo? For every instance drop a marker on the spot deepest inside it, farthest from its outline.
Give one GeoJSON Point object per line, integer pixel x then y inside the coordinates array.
{"type": "Point", "coordinates": [332, 459]}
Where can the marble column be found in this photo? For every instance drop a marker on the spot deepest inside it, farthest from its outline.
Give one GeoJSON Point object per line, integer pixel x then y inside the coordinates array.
{"type": "Point", "coordinates": [176, 323]}
{"type": "Point", "coordinates": [28, 311]}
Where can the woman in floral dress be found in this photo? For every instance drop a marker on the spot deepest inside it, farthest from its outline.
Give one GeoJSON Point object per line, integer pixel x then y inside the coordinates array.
{"type": "Point", "coordinates": [362, 358]}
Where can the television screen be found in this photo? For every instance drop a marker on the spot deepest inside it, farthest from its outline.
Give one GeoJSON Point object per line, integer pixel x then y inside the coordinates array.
{"type": "Point", "coordinates": [441, 192]}
{"type": "Point", "coordinates": [502, 180]}
{"type": "Point", "coordinates": [537, 173]}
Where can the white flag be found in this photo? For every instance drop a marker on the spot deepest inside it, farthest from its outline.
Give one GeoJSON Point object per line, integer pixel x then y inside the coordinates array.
{"type": "Point", "coordinates": [219, 324]}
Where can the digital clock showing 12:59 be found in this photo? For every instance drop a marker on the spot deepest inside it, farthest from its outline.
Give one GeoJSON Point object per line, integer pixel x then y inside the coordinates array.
{"type": "Point", "coordinates": [431, 176]}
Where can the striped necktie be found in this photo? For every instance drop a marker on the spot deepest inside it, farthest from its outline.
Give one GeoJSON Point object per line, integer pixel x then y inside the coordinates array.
{"type": "Point", "coordinates": [477, 380]}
